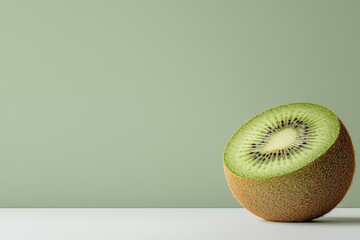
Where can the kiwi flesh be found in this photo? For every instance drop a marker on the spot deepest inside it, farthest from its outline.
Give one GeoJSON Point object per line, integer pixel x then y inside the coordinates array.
{"type": "Point", "coordinates": [291, 163]}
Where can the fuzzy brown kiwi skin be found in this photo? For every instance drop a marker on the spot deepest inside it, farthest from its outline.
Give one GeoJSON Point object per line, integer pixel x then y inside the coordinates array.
{"type": "Point", "coordinates": [303, 195]}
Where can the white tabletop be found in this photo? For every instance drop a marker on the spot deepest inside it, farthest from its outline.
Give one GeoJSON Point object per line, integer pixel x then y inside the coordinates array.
{"type": "Point", "coordinates": [168, 223]}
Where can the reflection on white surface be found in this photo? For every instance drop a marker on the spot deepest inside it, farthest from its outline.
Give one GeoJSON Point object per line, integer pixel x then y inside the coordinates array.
{"type": "Point", "coordinates": [168, 223]}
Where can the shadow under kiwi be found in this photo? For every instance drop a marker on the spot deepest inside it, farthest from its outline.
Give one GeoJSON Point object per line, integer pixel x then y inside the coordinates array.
{"type": "Point", "coordinates": [337, 220]}
{"type": "Point", "coordinates": [327, 220]}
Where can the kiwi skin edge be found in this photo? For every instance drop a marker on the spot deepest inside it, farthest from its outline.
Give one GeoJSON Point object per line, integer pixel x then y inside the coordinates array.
{"type": "Point", "coordinates": [304, 194]}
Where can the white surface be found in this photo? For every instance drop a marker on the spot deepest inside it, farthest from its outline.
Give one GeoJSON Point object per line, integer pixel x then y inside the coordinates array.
{"type": "Point", "coordinates": [142, 223]}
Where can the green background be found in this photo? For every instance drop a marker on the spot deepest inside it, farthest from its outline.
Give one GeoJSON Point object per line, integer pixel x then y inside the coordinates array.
{"type": "Point", "coordinates": [131, 103]}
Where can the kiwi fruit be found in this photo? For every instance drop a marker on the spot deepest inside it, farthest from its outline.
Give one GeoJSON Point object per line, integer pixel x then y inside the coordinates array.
{"type": "Point", "coordinates": [291, 163]}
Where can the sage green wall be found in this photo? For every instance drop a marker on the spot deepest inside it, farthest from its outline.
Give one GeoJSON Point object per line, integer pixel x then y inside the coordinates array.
{"type": "Point", "coordinates": [130, 103]}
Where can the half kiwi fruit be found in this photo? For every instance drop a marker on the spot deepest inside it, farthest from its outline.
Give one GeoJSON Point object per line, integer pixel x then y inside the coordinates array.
{"type": "Point", "coordinates": [291, 163]}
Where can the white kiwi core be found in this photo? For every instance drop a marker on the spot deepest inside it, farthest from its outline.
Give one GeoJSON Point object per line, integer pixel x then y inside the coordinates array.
{"type": "Point", "coordinates": [280, 140]}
